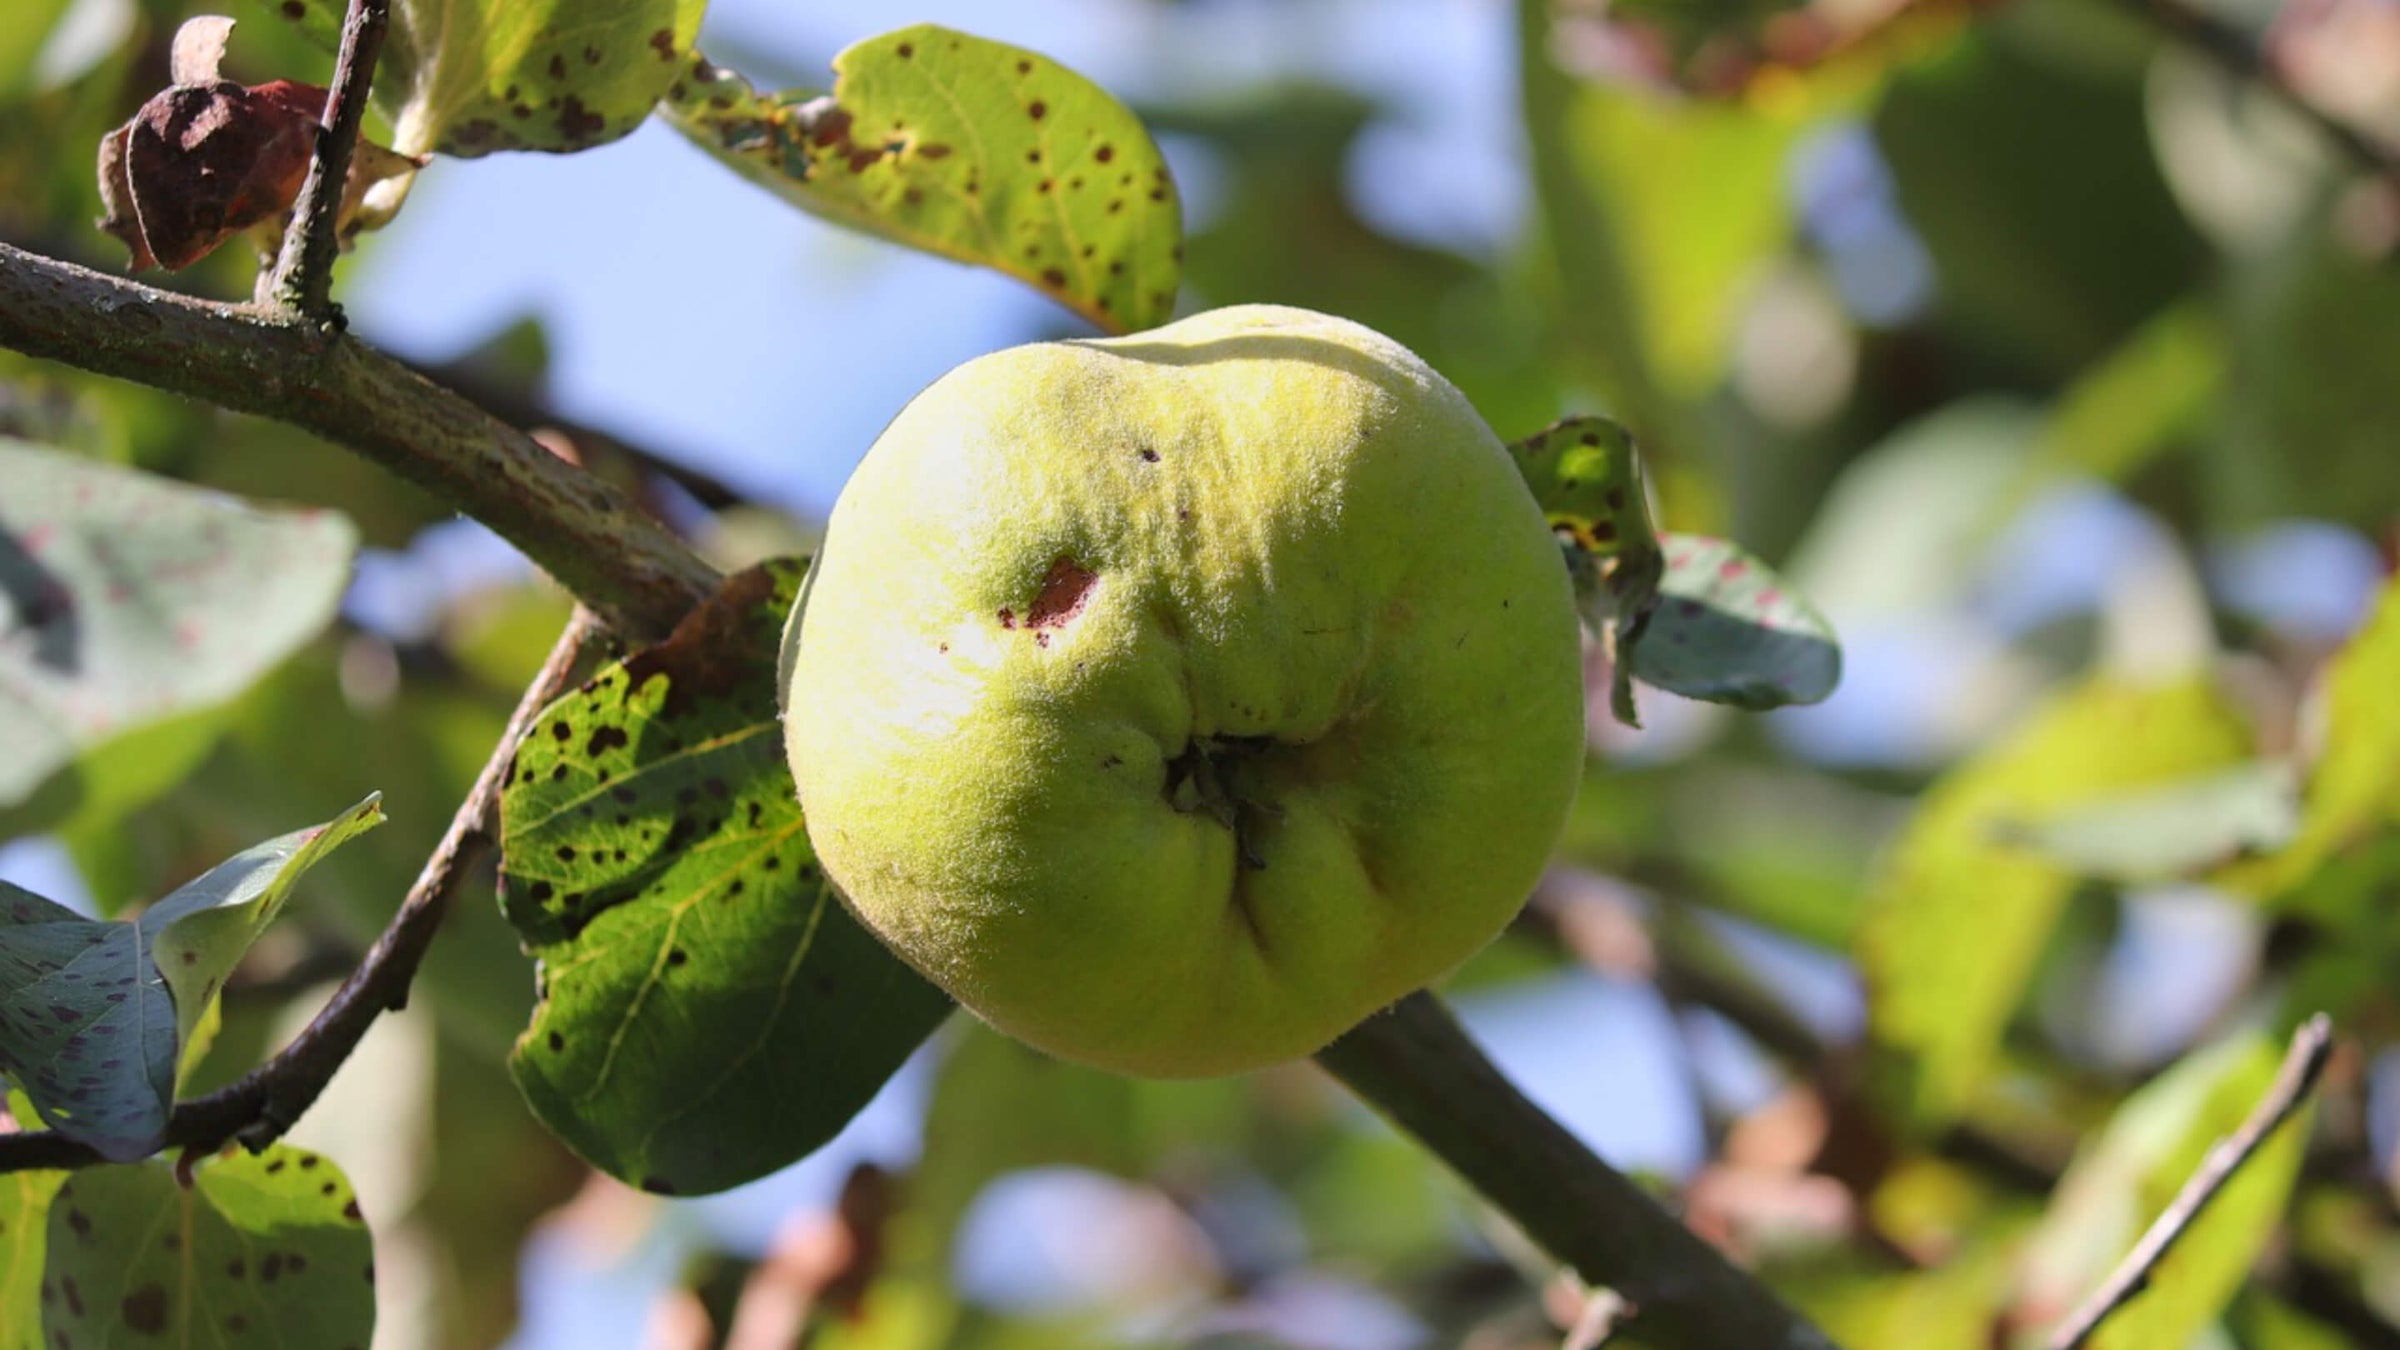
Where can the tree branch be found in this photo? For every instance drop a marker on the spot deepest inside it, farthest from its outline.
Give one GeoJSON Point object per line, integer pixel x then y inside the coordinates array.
{"type": "Point", "coordinates": [638, 577]}
{"type": "Point", "coordinates": [1414, 1063]}
{"type": "Point", "coordinates": [2239, 54]}
{"type": "Point", "coordinates": [302, 282]}
{"type": "Point", "coordinates": [1418, 1066]}
{"type": "Point", "coordinates": [2312, 1045]}
{"type": "Point", "coordinates": [267, 1101]}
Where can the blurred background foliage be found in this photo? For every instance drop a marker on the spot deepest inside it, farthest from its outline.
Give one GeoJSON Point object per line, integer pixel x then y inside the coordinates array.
{"type": "Point", "coordinates": [2056, 356]}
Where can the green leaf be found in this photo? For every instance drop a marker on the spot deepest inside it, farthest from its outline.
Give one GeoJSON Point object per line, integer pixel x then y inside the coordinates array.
{"type": "Point", "coordinates": [1686, 613]}
{"type": "Point", "coordinates": [128, 603]}
{"type": "Point", "coordinates": [1946, 1307]}
{"type": "Point", "coordinates": [92, 1014]}
{"type": "Point", "coordinates": [24, 1227]}
{"type": "Point", "coordinates": [2133, 404]}
{"type": "Point", "coordinates": [1956, 916]}
{"type": "Point", "coordinates": [2353, 787]}
{"type": "Point", "coordinates": [197, 935]}
{"type": "Point", "coordinates": [1584, 474]}
{"type": "Point", "coordinates": [2030, 177]}
{"type": "Point", "coordinates": [87, 1027]}
{"type": "Point", "coordinates": [1727, 629]}
{"type": "Point", "coordinates": [1056, 1115]}
{"type": "Point", "coordinates": [21, 41]}
{"type": "Point", "coordinates": [971, 149]}
{"type": "Point", "coordinates": [1699, 193]}
{"type": "Point", "coordinates": [469, 77]}
{"type": "Point", "coordinates": [710, 1011]}
{"type": "Point", "coordinates": [1905, 527]}
{"type": "Point", "coordinates": [2170, 832]}
{"type": "Point", "coordinates": [2121, 1180]}
{"type": "Point", "coordinates": [264, 1251]}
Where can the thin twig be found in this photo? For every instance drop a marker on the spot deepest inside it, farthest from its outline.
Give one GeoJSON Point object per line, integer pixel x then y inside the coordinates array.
{"type": "Point", "coordinates": [267, 1101]}
{"type": "Point", "coordinates": [2240, 55]}
{"type": "Point", "coordinates": [2312, 1045]}
{"type": "Point", "coordinates": [635, 574]}
{"type": "Point", "coordinates": [1419, 1067]}
{"type": "Point", "coordinates": [302, 282]}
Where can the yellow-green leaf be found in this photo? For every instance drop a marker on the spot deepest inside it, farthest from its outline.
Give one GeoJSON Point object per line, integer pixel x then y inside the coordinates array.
{"type": "Point", "coordinates": [468, 77]}
{"type": "Point", "coordinates": [2354, 785]}
{"type": "Point", "coordinates": [968, 148]}
{"type": "Point", "coordinates": [2120, 1182]}
{"type": "Point", "coordinates": [1958, 912]}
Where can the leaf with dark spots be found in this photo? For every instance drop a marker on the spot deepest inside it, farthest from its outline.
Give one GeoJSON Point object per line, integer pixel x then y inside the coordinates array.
{"type": "Point", "coordinates": [467, 77]}
{"type": "Point", "coordinates": [251, 1253]}
{"type": "Point", "coordinates": [93, 1016]}
{"type": "Point", "coordinates": [967, 148]}
{"type": "Point", "coordinates": [686, 1040]}
{"type": "Point", "coordinates": [1689, 614]}
{"type": "Point", "coordinates": [131, 610]}
{"type": "Point", "coordinates": [1729, 630]}
{"type": "Point", "coordinates": [24, 1237]}
{"type": "Point", "coordinates": [1584, 474]}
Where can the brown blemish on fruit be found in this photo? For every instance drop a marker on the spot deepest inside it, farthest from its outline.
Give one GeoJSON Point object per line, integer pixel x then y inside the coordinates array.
{"type": "Point", "coordinates": [1064, 589]}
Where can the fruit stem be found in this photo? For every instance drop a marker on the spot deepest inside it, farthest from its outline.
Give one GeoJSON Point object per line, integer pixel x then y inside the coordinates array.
{"type": "Point", "coordinates": [1418, 1066]}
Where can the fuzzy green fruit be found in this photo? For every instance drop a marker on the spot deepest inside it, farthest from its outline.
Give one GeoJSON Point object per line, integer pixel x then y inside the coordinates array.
{"type": "Point", "coordinates": [1176, 701]}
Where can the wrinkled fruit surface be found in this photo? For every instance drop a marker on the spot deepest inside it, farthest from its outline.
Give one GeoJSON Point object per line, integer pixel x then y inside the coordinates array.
{"type": "Point", "coordinates": [1176, 701]}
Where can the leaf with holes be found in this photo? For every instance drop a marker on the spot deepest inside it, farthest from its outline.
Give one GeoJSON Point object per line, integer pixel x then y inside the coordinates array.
{"type": "Point", "coordinates": [129, 604]}
{"type": "Point", "coordinates": [1588, 481]}
{"type": "Point", "coordinates": [92, 1014]}
{"type": "Point", "coordinates": [1956, 915]}
{"type": "Point", "coordinates": [971, 149]}
{"type": "Point", "coordinates": [259, 1251]}
{"type": "Point", "coordinates": [469, 77]}
{"type": "Point", "coordinates": [710, 1011]}
{"type": "Point", "coordinates": [1727, 629]}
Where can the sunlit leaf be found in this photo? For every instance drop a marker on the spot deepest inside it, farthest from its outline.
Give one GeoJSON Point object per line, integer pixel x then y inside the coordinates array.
{"type": "Point", "coordinates": [468, 77]}
{"type": "Point", "coordinates": [2169, 832]}
{"type": "Point", "coordinates": [24, 1226]}
{"type": "Point", "coordinates": [2122, 1179]}
{"type": "Point", "coordinates": [1956, 915]}
{"type": "Point", "coordinates": [92, 1014]}
{"type": "Point", "coordinates": [2131, 405]}
{"type": "Point", "coordinates": [971, 149]}
{"type": "Point", "coordinates": [128, 602]}
{"type": "Point", "coordinates": [1584, 474]}
{"type": "Point", "coordinates": [1948, 1307]}
{"type": "Point", "coordinates": [260, 1251]}
{"type": "Point", "coordinates": [198, 934]}
{"type": "Point", "coordinates": [21, 41]}
{"type": "Point", "coordinates": [710, 1011]}
{"type": "Point", "coordinates": [1699, 196]}
{"type": "Point", "coordinates": [2354, 784]}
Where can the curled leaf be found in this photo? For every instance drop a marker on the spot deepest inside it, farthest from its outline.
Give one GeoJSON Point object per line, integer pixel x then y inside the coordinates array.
{"type": "Point", "coordinates": [1584, 474]}
{"type": "Point", "coordinates": [92, 1014]}
{"type": "Point", "coordinates": [1727, 629]}
{"type": "Point", "coordinates": [206, 158]}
